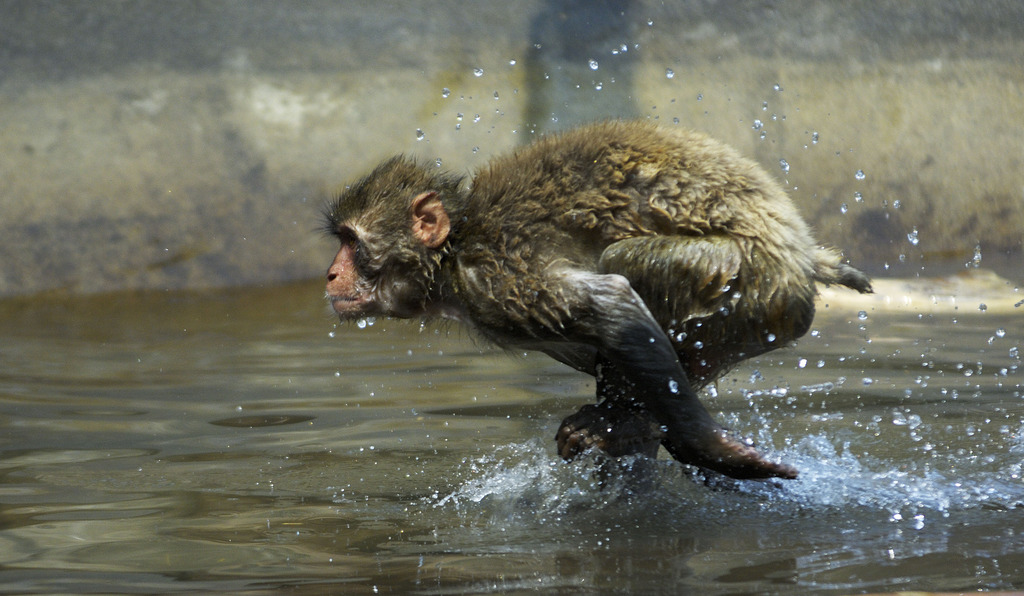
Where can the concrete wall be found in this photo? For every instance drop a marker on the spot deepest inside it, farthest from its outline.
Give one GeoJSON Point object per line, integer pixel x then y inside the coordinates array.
{"type": "Point", "coordinates": [192, 144]}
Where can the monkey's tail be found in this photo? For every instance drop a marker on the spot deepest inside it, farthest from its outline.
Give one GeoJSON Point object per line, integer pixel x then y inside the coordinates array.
{"type": "Point", "coordinates": [828, 269]}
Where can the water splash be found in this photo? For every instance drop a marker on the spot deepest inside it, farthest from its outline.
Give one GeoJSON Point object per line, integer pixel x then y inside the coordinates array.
{"type": "Point", "coordinates": [523, 479]}
{"type": "Point", "coordinates": [527, 481]}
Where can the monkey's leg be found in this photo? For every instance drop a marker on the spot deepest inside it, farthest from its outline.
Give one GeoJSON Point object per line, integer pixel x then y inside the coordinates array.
{"type": "Point", "coordinates": [616, 425]}
{"type": "Point", "coordinates": [618, 323]}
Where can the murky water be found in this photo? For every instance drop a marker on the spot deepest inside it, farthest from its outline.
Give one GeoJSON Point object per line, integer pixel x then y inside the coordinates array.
{"type": "Point", "coordinates": [162, 443]}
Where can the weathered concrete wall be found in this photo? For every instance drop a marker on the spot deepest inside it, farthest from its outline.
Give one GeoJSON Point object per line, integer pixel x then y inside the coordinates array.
{"type": "Point", "coordinates": [153, 144]}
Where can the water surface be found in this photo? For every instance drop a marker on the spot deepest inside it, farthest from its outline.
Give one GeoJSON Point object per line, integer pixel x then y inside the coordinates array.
{"type": "Point", "coordinates": [243, 441]}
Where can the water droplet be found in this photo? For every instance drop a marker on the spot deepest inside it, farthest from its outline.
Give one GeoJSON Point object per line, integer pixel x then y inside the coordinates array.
{"type": "Point", "coordinates": [801, 363]}
{"type": "Point", "coordinates": [673, 386]}
{"type": "Point", "coordinates": [976, 260]}
{"type": "Point", "coordinates": [419, 135]}
{"type": "Point", "coordinates": [784, 165]}
{"type": "Point", "coordinates": [814, 138]}
{"type": "Point", "coordinates": [757, 125]}
{"type": "Point", "coordinates": [495, 95]}
{"type": "Point", "coordinates": [650, 22]}
{"type": "Point", "coordinates": [700, 96]}
{"type": "Point", "coordinates": [478, 72]}
{"type": "Point", "coordinates": [858, 197]}
{"type": "Point", "coordinates": [1000, 332]}
{"type": "Point", "coordinates": [476, 118]}
{"type": "Point", "coordinates": [438, 162]}
{"type": "Point", "coordinates": [669, 73]}
{"type": "Point", "coordinates": [771, 338]}
{"type": "Point", "coordinates": [843, 208]}
{"type": "Point", "coordinates": [982, 307]}
{"type": "Point", "coordinates": [912, 237]}
{"type": "Point", "coordinates": [593, 64]}
{"type": "Point", "coordinates": [859, 175]}
{"type": "Point", "coordinates": [512, 62]}
{"type": "Point", "coordinates": [862, 315]}
{"type": "Point", "coordinates": [777, 87]}
{"type": "Point", "coordinates": [445, 92]}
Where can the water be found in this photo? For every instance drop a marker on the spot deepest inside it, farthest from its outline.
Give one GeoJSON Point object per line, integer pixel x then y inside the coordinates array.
{"type": "Point", "coordinates": [225, 441]}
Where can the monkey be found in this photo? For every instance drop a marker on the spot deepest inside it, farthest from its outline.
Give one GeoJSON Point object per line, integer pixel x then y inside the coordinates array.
{"type": "Point", "coordinates": [652, 258]}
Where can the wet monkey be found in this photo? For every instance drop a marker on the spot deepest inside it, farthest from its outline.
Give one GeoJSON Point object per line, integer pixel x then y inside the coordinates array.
{"type": "Point", "coordinates": [652, 258]}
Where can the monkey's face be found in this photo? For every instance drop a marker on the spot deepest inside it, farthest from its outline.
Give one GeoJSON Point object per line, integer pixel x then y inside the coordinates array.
{"type": "Point", "coordinates": [379, 271]}
{"type": "Point", "coordinates": [349, 291]}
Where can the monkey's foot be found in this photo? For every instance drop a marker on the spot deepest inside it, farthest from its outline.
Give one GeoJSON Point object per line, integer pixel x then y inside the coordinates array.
{"type": "Point", "coordinates": [718, 451]}
{"type": "Point", "coordinates": [616, 430]}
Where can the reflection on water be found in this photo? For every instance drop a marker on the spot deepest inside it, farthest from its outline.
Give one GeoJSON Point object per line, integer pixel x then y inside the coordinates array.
{"type": "Point", "coordinates": [240, 440]}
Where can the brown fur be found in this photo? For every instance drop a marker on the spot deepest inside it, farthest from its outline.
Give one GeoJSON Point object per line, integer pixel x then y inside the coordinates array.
{"type": "Point", "coordinates": [710, 250]}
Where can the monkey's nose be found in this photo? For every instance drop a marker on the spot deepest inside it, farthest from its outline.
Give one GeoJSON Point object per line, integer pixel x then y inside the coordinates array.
{"type": "Point", "coordinates": [334, 271]}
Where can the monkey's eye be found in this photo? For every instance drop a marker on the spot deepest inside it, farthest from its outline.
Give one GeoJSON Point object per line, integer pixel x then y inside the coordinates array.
{"type": "Point", "coordinates": [348, 237]}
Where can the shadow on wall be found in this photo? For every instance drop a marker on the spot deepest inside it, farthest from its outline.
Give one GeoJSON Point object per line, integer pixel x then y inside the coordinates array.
{"type": "Point", "coordinates": [576, 47]}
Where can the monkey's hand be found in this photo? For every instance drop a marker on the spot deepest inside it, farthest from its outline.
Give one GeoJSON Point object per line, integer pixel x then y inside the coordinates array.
{"type": "Point", "coordinates": [719, 451]}
{"type": "Point", "coordinates": [616, 430]}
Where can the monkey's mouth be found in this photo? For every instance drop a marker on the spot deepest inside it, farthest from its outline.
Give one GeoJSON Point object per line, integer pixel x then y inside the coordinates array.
{"type": "Point", "coordinates": [347, 306]}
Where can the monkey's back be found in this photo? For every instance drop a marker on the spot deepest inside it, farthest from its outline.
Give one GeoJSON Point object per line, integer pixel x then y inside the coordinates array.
{"type": "Point", "coordinates": [598, 184]}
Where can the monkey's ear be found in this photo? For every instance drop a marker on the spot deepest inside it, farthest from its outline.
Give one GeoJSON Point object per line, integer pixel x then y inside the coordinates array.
{"type": "Point", "coordinates": [430, 222]}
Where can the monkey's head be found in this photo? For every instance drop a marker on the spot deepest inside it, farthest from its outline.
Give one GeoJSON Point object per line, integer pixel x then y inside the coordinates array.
{"type": "Point", "coordinates": [394, 227]}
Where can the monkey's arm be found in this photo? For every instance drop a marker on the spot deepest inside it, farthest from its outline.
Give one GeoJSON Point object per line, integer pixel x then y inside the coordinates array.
{"type": "Point", "coordinates": [618, 324]}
